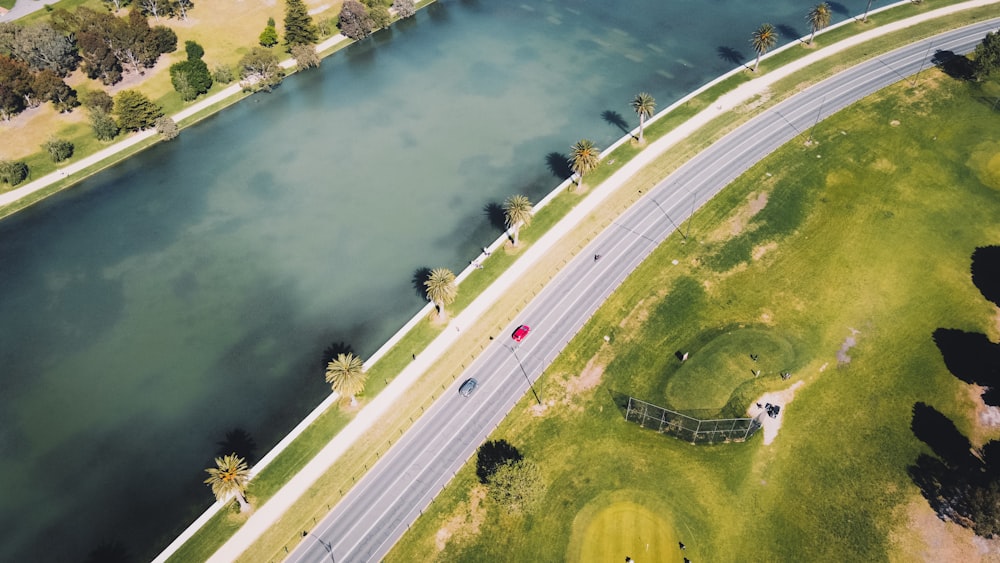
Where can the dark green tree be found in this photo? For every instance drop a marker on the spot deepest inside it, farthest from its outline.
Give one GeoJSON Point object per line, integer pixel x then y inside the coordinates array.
{"type": "Point", "coordinates": [15, 86]}
{"type": "Point", "coordinates": [135, 111]}
{"type": "Point", "coordinates": [986, 57]}
{"type": "Point", "coordinates": [50, 87]}
{"type": "Point", "coordinates": [97, 100]}
{"type": "Point", "coordinates": [13, 172]}
{"type": "Point", "coordinates": [492, 455]}
{"type": "Point", "coordinates": [58, 149]}
{"type": "Point", "coordinates": [299, 26]}
{"type": "Point", "coordinates": [193, 50]}
{"type": "Point", "coordinates": [104, 126]}
{"type": "Point", "coordinates": [190, 78]}
{"type": "Point", "coordinates": [355, 22]}
{"type": "Point", "coordinates": [584, 157]}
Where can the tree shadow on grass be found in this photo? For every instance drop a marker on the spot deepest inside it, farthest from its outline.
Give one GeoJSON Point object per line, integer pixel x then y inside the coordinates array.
{"type": "Point", "coordinates": [986, 272]}
{"type": "Point", "coordinates": [954, 65]}
{"type": "Point", "coordinates": [495, 215]}
{"type": "Point", "coordinates": [730, 55]}
{"type": "Point", "coordinates": [559, 165]}
{"type": "Point", "coordinates": [238, 441]}
{"type": "Point", "coordinates": [614, 118]}
{"type": "Point", "coordinates": [969, 356]}
{"type": "Point", "coordinates": [940, 433]}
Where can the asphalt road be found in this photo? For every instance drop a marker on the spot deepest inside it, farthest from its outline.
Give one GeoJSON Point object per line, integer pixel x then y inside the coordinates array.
{"type": "Point", "coordinates": [388, 499]}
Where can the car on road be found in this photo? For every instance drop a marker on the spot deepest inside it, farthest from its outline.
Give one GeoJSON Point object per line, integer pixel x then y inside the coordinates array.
{"type": "Point", "coordinates": [469, 387]}
{"type": "Point", "coordinates": [520, 333]}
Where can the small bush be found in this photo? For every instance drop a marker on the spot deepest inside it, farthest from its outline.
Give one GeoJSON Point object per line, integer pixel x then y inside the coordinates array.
{"type": "Point", "coordinates": [105, 127]}
{"type": "Point", "coordinates": [58, 149]}
{"type": "Point", "coordinates": [223, 74]}
{"type": "Point", "coordinates": [97, 100]}
{"type": "Point", "coordinates": [167, 128]}
{"type": "Point", "coordinates": [305, 56]}
{"type": "Point", "coordinates": [12, 172]}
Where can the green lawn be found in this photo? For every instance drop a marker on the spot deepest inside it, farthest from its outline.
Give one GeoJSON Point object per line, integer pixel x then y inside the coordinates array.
{"type": "Point", "coordinates": [867, 233]}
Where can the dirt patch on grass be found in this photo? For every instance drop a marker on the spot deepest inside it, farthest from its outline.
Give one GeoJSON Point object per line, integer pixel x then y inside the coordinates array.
{"type": "Point", "coordinates": [770, 426]}
{"type": "Point", "coordinates": [587, 380]}
{"type": "Point", "coordinates": [763, 249]}
{"type": "Point", "coordinates": [849, 342]}
{"type": "Point", "coordinates": [465, 521]}
{"type": "Point", "coordinates": [884, 165]}
{"type": "Point", "coordinates": [925, 537]}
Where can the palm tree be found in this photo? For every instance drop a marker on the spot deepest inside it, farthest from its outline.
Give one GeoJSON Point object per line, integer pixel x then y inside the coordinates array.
{"type": "Point", "coordinates": [517, 211]}
{"type": "Point", "coordinates": [346, 375]}
{"type": "Point", "coordinates": [584, 158]}
{"type": "Point", "coordinates": [868, 7]}
{"type": "Point", "coordinates": [441, 289]}
{"type": "Point", "coordinates": [230, 477]}
{"type": "Point", "coordinates": [763, 39]}
{"type": "Point", "coordinates": [818, 18]}
{"type": "Point", "coordinates": [644, 105]}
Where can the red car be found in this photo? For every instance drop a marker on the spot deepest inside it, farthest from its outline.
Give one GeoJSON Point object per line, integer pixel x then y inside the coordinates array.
{"type": "Point", "coordinates": [520, 333]}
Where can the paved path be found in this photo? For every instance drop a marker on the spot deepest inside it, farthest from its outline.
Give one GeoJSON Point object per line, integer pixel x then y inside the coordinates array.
{"type": "Point", "coordinates": [24, 7]}
{"type": "Point", "coordinates": [266, 515]}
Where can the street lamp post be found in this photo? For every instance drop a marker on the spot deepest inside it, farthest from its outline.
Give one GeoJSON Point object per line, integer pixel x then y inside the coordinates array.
{"type": "Point", "coordinates": [514, 351]}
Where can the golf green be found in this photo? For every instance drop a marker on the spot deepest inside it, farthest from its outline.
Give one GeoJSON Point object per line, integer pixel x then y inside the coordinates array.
{"type": "Point", "coordinates": [613, 527]}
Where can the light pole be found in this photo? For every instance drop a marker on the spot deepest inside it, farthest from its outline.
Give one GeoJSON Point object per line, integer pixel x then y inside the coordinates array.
{"type": "Point", "coordinates": [513, 351]}
{"type": "Point", "coordinates": [328, 546]}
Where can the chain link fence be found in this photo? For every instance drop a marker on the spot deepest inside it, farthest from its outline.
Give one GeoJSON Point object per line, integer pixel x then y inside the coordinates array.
{"type": "Point", "coordinates": [687, 428]}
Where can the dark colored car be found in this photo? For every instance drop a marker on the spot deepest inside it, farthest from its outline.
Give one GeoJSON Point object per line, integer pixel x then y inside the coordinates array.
{"type": "Point", "coordinates": [468, 387]}
{"type": "Point", "coordinates": [520, 333]}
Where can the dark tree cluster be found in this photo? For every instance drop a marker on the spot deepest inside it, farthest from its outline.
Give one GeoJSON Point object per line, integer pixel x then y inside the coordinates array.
{"type": "Point", "coordinates": [378, 11]}
{"type": "Point", "coordinates": [191, 78]}
{"type": "Point", "coordinates": [21, 88]}
{"type": "Point", "coordinates": [299, 26]}
{"type": "Point", "coordinates": [13, 172]}
{"type": "Point", "coordinates": [40, 46]}
{"type": "Point", "coordinates": [986, 57]}
{"type": "Point", "coordinates": [492, 455]}
{"type": "Point", "coordinates": [961, 483]}
{"type": "Point", "coordinates": [259, 70]}
{"type": "Point", "coordinates": [135, 111]}
{"type": "Point", "coordinates": [109, 45]}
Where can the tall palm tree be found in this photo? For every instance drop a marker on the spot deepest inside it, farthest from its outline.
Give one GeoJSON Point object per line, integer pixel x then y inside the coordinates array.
{"type": "Point", "coordinates": [346, 375]}
{"type": "Point", "coordinates": [763, 39]}
{"type": "Point", "coordinates": [441, 289]}
{"type": "Point", "coordinates": [584, 157]}
{"type": "Point", "coordinates": [230, 476]}
{"type": "Point", "coordinates": [818, 18]}
{"type": "Point", "coordinates": [517, 211]}
{"type": "Point", "coordinates": [644, 105]}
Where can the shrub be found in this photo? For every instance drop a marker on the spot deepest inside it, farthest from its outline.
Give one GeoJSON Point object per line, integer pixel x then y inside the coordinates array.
{"type": "Point", "coordinates": [305, 56]}
{"type": "Point", "coordinates": [58, 149]}
{"type": "Point", "coordinates": [105, 128]}
{"type": "Point", "coordinates": [194, 51]}
{"type": "Point", "coordinates": [13, 172]}
{"type": "Point", "coordinates": [223, 74]}
{"type": "Point", "coordinates": [167, 128]}
{"type": "Point", "coordinates": [97, 100]}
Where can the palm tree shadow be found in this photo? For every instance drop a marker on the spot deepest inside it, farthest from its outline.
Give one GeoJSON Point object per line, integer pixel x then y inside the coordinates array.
{"type": "Point", "coordinates": [420, 275]}
{"type": "Point", "coordinates": [731, 55]}
{"type": "Point", "coordinates": [335, 349]}
{"type": "Point", "coordinates": [238, 441]}
{"type": "Point", "coordinates": [788, 31]}
{"type": "Point", "coordinates": [495, 215]}
{"type": "Point", "coordinates": [838, 8]}
{"type": "Point", "coordinates": [110, 552]}
{"type": "Point", "coordinates": [614, 118]}
{"type": "Point", "coordinates": [558, 164]}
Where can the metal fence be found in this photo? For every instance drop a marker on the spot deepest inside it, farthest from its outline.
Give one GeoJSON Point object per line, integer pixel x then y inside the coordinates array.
{"type": "Point", "coordinates": [690, 429]}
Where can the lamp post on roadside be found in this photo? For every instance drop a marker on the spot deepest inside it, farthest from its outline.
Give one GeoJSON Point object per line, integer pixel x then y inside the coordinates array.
{"type": "Point", "coordinates": [328, 546]}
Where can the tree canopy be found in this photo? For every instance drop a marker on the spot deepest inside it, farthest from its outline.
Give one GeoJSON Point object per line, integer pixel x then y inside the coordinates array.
{"type": "Point", "coordinates": [986, 56]}
{"type": "Point", "coordinates": [517, 486]}
{"type": "Point", "coordinates": [230, 476]}
{"type": "Point", "coordinates": [355, 22]}
{"type": "Point", "coordinates": [135, 111]}
{"type": "Point", "coordinates": [644, 105]}
{"type": "Point", "coordinates": [259, 70]}
{"type": "Point", "coordinates": [299, 26]}
{"type": "Point", "coordinates": [517, 210]}
{"type": "Point", "coordinates": [492, 455]}
{"type": "Point", "coordinates": [818, 18]}
{"type": "Point", "coordinates": [584, 157]}
{"type": "Point", "coordinates": [346, 375]}
{"type": "Point", "coordinates": [404, 8]}
{"type": "Point", "coordinates": [763, 38]}
{"type": "Point", "coordinates": [441, 289]}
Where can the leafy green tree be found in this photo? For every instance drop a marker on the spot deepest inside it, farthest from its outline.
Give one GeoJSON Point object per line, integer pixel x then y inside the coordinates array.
{"type": "Point", "coordinates": [517, 486]}
{"type": "Point", "coordinates": [15, 86]}
{"type": "Point", "coordinates": [355, 22]}
{"type": "Point", "coordinates": [104, 126]}
{"type": "Point", "coordinates": [193, 50]}
{"type": "Point", "coordinates": [167, 128]}
{"type": "Point", "coordinates": [157, 8]}
{"type": "Point", "coordinates": [230, 476]}
{"type": "Point", "coordinates": [190, 78]}
{"type": "Point", "coordinates": [41, 47]}
{"type": "Point", "coordinates": [584, 158]}
{"type": "Point", "coordinates": [517, 211]}
{"type": "Point", "coordinates": [223, 74]}
{"type": "Point", "coordinates": [97, 100]}
{"type": "Point", "coordinates": [818, 18]}
{"type": "Point", "coordinates": [380, 16]}
{"type": "Point", "coordinates": [299, 26]}
{"type": "Point", "coordinates": [404, 8]}
{"type": "Point", "coordinates": [764, 38]}
{"type": "Point", "coordinates": [93, 36]}
{"type": "Point", "coordinates": [441, 289]}
{"type": "Point", "coordinates": [13, 172]}
{"type": "Point", "coordinates": [346, 375]}
{"type": "Point", "coordinates": [117, 4]}
{"type": "Point", "coordinates": [50, 87]}
{"type": "Point", "coordinates": [268, 37]}
{"type": "Point", "coordinates": [644, 105]}
{"type": "Point", "coordinates": [986, 57]}
{"type": "Point", "coordinates": [135, 111]}
{"type": "Point", "coordinates": [492, 455]}
{"type": "Point", "coordinates": [58, 149]}
{"type": "Point", "coordinates": [259, 70]}
{"type": "Point", "coordinates": [305, 56]}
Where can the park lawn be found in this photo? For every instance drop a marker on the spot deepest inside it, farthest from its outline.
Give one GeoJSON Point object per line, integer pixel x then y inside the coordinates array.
{"type": "Point", "coordinates": [866, 233]}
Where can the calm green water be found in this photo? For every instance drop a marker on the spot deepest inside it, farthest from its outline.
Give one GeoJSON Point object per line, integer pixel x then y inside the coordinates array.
{"type": "Point", "coordinates": [192, 290]}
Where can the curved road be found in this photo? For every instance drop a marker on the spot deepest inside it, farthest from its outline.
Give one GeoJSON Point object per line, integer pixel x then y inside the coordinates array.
{"type": "Point", "coordinates": [388, 499]}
